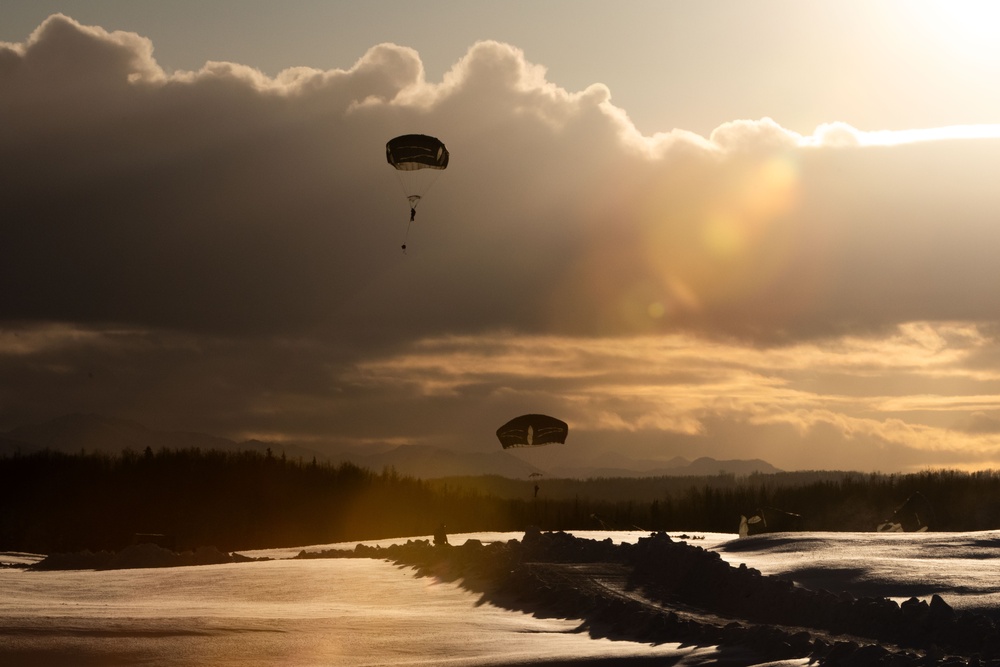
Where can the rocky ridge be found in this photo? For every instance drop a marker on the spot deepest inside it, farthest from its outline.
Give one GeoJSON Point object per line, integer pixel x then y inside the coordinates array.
{"type": "Point", "coordinates": [662, 590]}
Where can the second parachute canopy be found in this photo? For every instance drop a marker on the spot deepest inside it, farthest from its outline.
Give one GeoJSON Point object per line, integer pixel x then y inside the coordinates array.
{"type": "Point", "coordinates": [532, 430]}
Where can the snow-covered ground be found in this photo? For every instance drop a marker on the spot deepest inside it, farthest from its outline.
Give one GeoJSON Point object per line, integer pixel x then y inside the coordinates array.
{"type": "Point", "coordinates": [963, 568]}
{"type": "Point", "coordinates": [371, 612]}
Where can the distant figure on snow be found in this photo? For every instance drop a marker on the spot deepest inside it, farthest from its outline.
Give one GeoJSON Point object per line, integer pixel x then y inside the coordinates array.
{"type": "Point", "coordinates": [441, 534]}
{"type": "Point", "coordinates": [536, 490]}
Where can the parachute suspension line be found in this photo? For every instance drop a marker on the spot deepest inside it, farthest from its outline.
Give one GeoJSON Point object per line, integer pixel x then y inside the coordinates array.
{"type": "Point", "coordinates": [407, 236]}
{"type": "Point", "coordinates": [414, 200]}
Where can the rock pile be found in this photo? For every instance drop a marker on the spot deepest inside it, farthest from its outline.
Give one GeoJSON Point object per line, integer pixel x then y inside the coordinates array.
{"type": "Point", "coordinates": [674, 592]}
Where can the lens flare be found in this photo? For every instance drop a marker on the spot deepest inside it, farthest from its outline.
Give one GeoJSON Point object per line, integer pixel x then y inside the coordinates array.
{"type": "Point", "coordinates": [737, 240]}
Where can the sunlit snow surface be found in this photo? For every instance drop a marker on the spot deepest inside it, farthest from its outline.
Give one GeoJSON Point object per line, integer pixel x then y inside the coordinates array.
{"type": "Point", "coordinates": [371, 612]}
{"type": "Point", "coordinates": [963, 568]}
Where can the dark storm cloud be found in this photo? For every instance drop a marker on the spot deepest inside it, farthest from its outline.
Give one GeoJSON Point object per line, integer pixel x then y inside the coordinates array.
{"type": "Point", "coordinates": [224, 245]}
{"type": "Point", "coordinates": [222, 200]}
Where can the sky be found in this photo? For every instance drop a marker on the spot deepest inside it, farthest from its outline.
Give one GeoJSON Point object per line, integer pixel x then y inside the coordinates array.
{"type": "Point", "coordinates": [727, 229]}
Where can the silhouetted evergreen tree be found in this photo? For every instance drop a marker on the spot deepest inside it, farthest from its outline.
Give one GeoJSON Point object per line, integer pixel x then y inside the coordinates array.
{"type": "Point", "coordinates": [53, 502]}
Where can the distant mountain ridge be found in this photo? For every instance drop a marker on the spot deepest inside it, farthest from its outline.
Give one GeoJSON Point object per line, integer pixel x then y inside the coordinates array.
{"type": "Point", "coordinates": [678, 466]}
{"type": "Point", "coordinates": [96, 433]}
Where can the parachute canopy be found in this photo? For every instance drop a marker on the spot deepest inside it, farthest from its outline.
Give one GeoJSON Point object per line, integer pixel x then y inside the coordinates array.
{"type": "Point", "coordinates": [769, 520]}
{"type": "Point", "coordinates": [532, 431]}
{"type": "Point", "coordinates": [410, 152]}
{"type": "Point", "coordinates": [914, 516]}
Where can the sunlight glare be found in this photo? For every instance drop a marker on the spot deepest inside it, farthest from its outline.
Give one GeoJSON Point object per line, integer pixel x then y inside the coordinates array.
{"type": "Point", "coordinates": [969, 25]}
{"type": "Point", "coordinates": [959, 28]}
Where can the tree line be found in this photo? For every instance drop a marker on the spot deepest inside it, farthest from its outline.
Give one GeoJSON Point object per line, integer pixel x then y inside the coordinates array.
{"type": "Point", "coordinates": [56, 502]}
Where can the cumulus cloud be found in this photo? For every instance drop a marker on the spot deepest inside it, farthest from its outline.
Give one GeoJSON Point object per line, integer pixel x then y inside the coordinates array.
{"type": "Point", "coordinates": [236, 212]}
{"type": "Point", "coordinates": [222, 199]}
